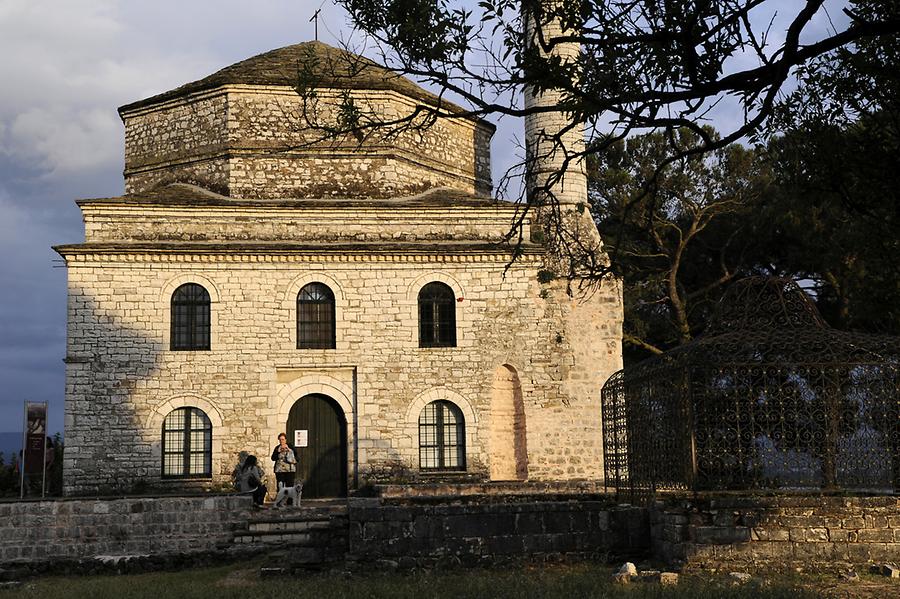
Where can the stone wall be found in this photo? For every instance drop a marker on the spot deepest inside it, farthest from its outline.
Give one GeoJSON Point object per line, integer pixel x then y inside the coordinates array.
{"type": "Point", "coordinates": [184, 141]}
{"type": "Point", "coordinates": [209, 173]}
{"type": "Point", "coordinates": [539, 350]}
{"type": "Point", "coordinates": [754, 532]}
{"type": "Point", "coordinates": [391, 529]}
{"type": "Point", "coordinates": [479, 522]}
{"type": "Point", "coordinates": [68, 530]}
{"type": "Point", "coordinates": [177, 131]}
{"type": "Point", "coordinates": [259, 142]}
{"type": "Point", "coordinates": [335, 222]}
{"type": "Point", "coordinates": [122, 379]}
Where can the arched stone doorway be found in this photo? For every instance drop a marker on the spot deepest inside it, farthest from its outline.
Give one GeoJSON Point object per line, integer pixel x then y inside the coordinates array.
{"type": "Point", "coordinates": [323, 461]}
{"type": "Point", "coordinates": [509, 451]}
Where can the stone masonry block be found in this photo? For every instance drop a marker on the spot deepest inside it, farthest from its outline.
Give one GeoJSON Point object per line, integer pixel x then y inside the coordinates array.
{"type": "Point", "coordinates": [721, 535]}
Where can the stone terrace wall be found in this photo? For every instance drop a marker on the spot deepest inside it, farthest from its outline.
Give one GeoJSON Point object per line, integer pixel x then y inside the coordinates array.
{"type": "Point", "coordinates": [765, 532]}
{"type": "Point", "coordinates": [424, 529]}
{"type": "Point", "coordinates": [735, 532]}
{"type": "Point", "coordinates": [66, 530]}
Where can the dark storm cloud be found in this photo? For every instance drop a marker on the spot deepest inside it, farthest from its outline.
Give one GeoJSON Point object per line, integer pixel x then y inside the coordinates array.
{"type": "Point", "coordinates": [67, 66]}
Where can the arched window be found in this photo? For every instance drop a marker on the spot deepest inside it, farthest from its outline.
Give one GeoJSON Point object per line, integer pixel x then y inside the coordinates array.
{"type": "Point", "coordinates": [442, 437]}
{"type": "Point", "coordinates": [187, 444]}
{"type": "Point", "coordinates": [315, 317]}
{"type": "Point", "coordinates": [190, 318]}
{"type": "Point", "coordinates": [437, 316]}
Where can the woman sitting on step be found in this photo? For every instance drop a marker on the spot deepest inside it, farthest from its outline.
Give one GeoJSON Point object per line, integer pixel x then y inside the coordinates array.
{"type": "Point", "coordinates": [251, 480]}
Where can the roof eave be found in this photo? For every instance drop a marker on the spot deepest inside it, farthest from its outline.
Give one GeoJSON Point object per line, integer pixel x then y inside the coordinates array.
{"type": "Point", "coordinates": [226, 248]}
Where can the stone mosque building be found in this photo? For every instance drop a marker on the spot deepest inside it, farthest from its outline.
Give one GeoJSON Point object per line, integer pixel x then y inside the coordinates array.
{"type": "Point", "coordinates": [355, 293]}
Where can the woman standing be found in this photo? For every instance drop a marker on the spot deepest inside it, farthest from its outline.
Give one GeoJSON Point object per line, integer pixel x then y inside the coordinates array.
{"type": "Point", "coordinates": [285, 462]}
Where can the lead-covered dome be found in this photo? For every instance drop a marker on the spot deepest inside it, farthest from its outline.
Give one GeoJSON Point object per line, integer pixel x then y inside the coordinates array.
{"type": "Point", "coordinates": [246, 132]}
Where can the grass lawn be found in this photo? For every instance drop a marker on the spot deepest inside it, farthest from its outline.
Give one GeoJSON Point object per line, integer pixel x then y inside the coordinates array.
{"type": "Point", "coordinates": [242, 581]}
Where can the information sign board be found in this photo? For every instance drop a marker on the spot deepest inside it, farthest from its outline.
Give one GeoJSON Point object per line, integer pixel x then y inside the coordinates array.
{"type": "Point", "coordinates": [301, 438]}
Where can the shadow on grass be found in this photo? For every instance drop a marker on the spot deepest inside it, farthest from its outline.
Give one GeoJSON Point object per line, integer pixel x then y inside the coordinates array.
{"type": "Point", "coordinates": [241, 581]}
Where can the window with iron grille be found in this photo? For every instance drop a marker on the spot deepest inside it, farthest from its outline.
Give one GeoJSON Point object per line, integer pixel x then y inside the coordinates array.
{"type": "Point", "coordinates": [442, 437]}
{"type": "Point", "coordinates": [190, 318]}
{"type": "Point", "coordinates": [315, 317]}
{"type": "Point", "coordinates": [187, 444]}
{"type": "Point", "coordinates": [437, 316]}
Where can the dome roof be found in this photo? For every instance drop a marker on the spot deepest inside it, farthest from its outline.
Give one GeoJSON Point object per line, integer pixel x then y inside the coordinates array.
{"type": "Point", "coordinates": [768, 398]}
{"type": "Point", "coordinates": [327, 66]}
{"type": "Point", "coordinates": [234, 132]}
{"type": "Point", "coordinates": [772, 320]}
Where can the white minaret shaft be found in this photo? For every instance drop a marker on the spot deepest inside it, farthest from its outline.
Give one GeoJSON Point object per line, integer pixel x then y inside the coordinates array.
{"type": "Point", "coordinates": [553, 147]}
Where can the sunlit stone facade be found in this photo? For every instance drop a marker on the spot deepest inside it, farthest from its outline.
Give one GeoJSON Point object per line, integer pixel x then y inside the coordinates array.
{"type": "Point", "coordinates": [223, 192]}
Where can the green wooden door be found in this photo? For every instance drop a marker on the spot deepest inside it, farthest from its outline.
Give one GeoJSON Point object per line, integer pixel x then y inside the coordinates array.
{"type": "Point", "coordinates": [323, 462]}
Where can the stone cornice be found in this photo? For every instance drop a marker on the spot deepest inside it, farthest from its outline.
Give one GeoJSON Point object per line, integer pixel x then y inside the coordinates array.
{"type": "Point", "coordinates": [257, 253]}
{"type": "Point", "coordinates": [411, 215]}
{"type": "Point", "coordinates": [435, 202]}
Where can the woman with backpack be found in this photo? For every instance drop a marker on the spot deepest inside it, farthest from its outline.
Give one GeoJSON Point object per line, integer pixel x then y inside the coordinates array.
{"type": "Point", "coordinates": [250, 480]}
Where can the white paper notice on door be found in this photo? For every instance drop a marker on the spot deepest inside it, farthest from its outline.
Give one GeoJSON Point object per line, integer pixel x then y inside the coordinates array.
{"type": "Point", "coordinates": [301, 438]}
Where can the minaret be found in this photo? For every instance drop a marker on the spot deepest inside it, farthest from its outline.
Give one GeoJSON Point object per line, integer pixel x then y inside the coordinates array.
{"type": "Point", "coordinates": [589, 307]}
{"type": "Point", "coordinates": [550, 136]}
{"type": "Point", "coordinates": [555, 177]}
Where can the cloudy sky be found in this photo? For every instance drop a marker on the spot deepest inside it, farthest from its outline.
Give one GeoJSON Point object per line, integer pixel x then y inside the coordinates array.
{"type": "Point", "coordinates": [66, 66]}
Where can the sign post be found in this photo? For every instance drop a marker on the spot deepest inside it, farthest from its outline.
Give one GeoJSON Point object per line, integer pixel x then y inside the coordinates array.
{"type": "Point", "coordinates": [34, 445]}
{"type": "Point", "coordinates": [24, 449]}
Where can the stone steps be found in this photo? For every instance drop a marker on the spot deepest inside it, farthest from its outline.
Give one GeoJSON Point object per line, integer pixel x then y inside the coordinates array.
{"type": "Point", "coordinates": [287, 526]}
{"type": "Point", "coordinates": [273, 538]}
{"type": "Point", "coordinates": [307, 512]}
{"type": "Point", "coordinates": [308, 536]}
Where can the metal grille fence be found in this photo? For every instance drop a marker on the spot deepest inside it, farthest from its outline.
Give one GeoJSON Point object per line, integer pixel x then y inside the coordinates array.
{"type": "Point", "coordinates": [769, 398]}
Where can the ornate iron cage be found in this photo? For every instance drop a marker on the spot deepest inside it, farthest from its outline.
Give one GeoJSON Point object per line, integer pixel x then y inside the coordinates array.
{"type": "Point", "coordinates": [769, 397]}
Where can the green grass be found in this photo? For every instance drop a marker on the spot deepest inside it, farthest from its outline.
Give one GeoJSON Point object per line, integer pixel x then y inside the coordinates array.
{"type": "Point", "coordinates": [242, 581]}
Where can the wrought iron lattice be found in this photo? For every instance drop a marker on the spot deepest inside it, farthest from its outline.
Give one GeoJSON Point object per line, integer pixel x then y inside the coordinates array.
{"type": "Point", "coordinates": [437, 316]}
{"type": "Point", "coordinates": [768, 398]}
{"type": "Point", "coordinates": [442, 437]}
{"type": "Point", "coordinates": [190, 315]}
{"type": "Point", "coordinates": [316, 327]}
{"type": "Point", "coordinates": [187, 444]}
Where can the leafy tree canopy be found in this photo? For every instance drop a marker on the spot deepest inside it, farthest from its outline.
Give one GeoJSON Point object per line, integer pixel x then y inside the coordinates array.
{"type": "Point", "coordinates": [676, 234]}
{"type": "Point", "coordinates": [835, 151]}
{"type": "Point", "coordinates": [644, 65]}
{"type": "Point", "coordinates": [682, 209]}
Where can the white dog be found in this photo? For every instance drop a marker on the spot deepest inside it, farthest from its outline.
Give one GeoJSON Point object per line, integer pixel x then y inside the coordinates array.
{"type": "Point", "coordinates": [292, 493]}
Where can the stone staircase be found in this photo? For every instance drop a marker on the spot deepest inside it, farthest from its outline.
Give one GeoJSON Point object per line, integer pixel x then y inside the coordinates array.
{"type": "Point", "coordinates": [310, 536]}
